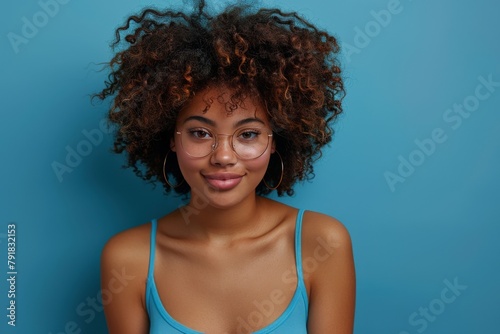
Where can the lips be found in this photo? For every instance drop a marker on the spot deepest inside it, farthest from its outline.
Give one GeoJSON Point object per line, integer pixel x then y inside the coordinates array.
{"type": "Point", "coordinates": [223, 181]}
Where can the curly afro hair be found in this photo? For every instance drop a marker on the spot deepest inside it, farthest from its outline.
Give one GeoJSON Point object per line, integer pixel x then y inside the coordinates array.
{"type": "Point", "coordinates": [275, 56]}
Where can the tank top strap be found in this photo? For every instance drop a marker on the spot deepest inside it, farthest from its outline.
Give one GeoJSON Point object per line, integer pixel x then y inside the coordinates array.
{"type": "Point", "coordinates": [298, 246]}
{"type": "Point", "coordinates": [152, 247]}
{"type": "Point", "coordinates": [150, 283]}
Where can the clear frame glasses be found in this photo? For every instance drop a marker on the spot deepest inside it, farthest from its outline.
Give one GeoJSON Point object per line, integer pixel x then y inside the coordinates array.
{"type": "Point", "coordinates": [247, 143]}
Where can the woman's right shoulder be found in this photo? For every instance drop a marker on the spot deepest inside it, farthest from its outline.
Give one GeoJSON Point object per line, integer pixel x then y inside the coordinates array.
{"type": "Point", "coordinates": [124, 274]}
{"type": "Point", "coordinates": [128, 248]}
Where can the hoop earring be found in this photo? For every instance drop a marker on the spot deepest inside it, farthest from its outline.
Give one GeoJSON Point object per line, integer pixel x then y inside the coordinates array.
{"type": "Point", "coordinates": [165, 174]}
{"type": "Point", "coordinates": [281, 175]}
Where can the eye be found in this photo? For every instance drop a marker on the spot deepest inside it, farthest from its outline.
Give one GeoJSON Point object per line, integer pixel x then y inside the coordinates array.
{"type": "Point", "coordinates": [200, 134]}
{"type": "Point", "coordinates": [249, 134]}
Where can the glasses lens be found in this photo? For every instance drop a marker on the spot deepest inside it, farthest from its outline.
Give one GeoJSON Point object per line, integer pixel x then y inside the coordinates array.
{"type": "Point", "coordinates": [250, 143]}
{"type": "Point", "coordinates": [197, 142]}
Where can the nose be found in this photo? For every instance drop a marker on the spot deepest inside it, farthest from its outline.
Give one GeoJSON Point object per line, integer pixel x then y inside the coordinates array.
{"type": "Point", "coordinates": [223, 153]}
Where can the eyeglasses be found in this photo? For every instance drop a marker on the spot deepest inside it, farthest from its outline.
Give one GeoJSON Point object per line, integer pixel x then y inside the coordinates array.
{"type": "Point", "coordinates": [247, 143]}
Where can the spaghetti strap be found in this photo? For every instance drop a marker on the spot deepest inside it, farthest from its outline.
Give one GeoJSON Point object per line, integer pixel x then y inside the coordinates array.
{"type": "Point", "coordinates": [298, 245]}
{"type": "Point", "coordinates": [152, 247]}
{"type": "Point", "coordinates": [151, 269]}
{"type": "Point", "coordinates": [301, 285]}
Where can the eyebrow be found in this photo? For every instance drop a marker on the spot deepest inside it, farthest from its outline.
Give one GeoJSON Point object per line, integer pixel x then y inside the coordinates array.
{"type": "Point", "coordinates": [212, 123]}
{"type": "Point", "coordinates": [249, 120]}
{"type": "Point", "coordinates": [199, 118]}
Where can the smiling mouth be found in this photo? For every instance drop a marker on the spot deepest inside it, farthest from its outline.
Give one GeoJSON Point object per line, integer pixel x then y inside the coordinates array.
{"type": "Point", "coordinates": [223, 181]}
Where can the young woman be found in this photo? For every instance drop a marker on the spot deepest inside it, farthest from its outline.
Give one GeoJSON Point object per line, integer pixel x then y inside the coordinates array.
{"type": "Point", "coordinates": [226, 109]}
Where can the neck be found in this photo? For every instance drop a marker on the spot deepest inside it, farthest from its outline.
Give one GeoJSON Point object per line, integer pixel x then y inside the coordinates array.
{"type": "Point", "coordinates": [224, 225]}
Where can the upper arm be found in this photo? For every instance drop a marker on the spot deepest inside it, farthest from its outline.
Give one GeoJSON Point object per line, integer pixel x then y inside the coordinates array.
{"type": "Point", "coordinates": [123, 278]}
{"type": "Point", "coordinates": [333, 282]}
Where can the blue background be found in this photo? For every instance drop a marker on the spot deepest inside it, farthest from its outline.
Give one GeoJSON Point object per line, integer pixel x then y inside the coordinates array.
{"type": "Point", "coordinates": [402, 76]}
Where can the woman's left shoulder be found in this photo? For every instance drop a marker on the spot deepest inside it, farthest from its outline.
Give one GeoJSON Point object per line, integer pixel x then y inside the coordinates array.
{"type": "Point", "coordinates": [329, 273]}
{"type": "Point", "coordinates": [326, 248]}
{"type": "Point", "coordinates": [321, 230]}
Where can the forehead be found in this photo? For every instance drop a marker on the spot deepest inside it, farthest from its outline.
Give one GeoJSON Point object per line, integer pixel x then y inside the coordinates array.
{"type": "Point", "coordinates": [221, 105]}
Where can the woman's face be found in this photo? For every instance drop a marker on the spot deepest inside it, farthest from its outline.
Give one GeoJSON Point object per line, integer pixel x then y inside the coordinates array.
{"type": "Point", "coordinates": [222, 177]}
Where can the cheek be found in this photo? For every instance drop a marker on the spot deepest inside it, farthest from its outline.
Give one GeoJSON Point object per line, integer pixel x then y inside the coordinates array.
{"type": "Point", "coordinates": [258, 165]}
{"type": "Point", "coordinates": [187, 164]}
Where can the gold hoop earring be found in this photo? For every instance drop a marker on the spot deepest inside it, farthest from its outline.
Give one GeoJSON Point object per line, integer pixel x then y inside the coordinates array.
{"type": "Point", "coordinates": [165, 174]}
{"type": "Point", "coordinates": [281, 175]}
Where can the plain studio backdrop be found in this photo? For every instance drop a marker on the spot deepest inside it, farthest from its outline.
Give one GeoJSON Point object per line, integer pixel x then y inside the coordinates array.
{"type": "Point", "coordinates": [412, 170]}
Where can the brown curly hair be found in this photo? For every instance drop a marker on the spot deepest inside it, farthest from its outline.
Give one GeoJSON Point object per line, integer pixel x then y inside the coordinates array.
{"type": "Point", "coordinates": [277, 57]}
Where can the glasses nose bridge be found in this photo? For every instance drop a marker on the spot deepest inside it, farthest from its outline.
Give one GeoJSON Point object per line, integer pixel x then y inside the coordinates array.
{"type": "Point", "coordinates": [216, 143]}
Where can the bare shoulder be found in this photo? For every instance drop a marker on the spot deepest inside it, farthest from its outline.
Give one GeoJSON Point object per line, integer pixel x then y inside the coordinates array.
{"type": "Point", "coordinates": [320, 229]}
{"type": "Point", "coordinates": [129, 248]}
{"type": "Point", "coordinates": [124, 270]}
{"type": "Point", "coordinates": [326, 250]}
{"type": "Point", "coordinates": [329, 273]}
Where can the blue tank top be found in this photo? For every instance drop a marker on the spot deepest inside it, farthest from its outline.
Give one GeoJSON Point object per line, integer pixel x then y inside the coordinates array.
{"type": "Point", "coordinates": [292, 321]}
